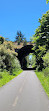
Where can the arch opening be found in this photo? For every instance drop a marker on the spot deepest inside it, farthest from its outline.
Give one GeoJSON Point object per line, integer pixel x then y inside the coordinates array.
{"type": "Point", "coordinates": [22, 53]}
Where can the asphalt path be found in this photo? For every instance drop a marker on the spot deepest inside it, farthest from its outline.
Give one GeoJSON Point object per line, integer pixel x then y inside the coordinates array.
{"type": "Point", "coordinates": [24, 93]}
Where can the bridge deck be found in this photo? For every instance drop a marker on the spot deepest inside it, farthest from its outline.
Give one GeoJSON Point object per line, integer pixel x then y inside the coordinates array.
{"type": "Point", "coordinates": [21, 45]}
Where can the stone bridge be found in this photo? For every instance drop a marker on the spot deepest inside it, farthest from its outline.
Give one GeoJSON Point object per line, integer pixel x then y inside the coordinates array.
{"type": "Point", "coordinates": [23, 51]}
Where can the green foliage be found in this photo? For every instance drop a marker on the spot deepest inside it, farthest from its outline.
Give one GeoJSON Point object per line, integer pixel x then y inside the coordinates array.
{"type": "Point", "coordinates": [41, 48]}
{"type": "Point", "coordinates": [24, 42]}
{"type": "Point", "coordinates": [46, 59]}
{"type": "Point", "coordinates": [8, 59]}
{"type": "Point", "coordinates": [19, 40]}
{"type": "Point", "coordinates": [6, 77]}
{"type": "Point", "coordinates": [1, 40]}
{"type": "Point", "coordinates": [9, 64]}
{"type": "Point", "coordinates": [41, 40]}
{"type": "Point", "coordinates": [0, 76]}
{"type": "Point", "coordinates": [33, 61]}
{"type": "Point", "coordinates": [9, 45]}
{"type": "Point", "coordinates": [2, 64]}
{"type": "Point", "coordinates": [31, 39]}
{"type": "Point", "coordinates": [19, 37]}
{"type": "Point", "coordinates": [46, 71]}
{"type": "Point", "coordinates": [44, 81]}
{"type": "Point", "coordinates": [47, 1]}
{"type": "Point", "coordinates": [42, 32]}
{"type": "Point", "coordinates": [27, 59]}
{"type": "Point", "coordinates": [15, 65]}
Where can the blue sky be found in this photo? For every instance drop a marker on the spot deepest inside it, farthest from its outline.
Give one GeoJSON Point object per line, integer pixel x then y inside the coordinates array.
{"type": "Point", "coordinates": [20, 15]}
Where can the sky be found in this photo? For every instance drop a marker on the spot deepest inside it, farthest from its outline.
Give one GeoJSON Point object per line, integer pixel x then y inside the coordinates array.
{"type": "Point", "coordinates": [20, 15]}
{"type": "Point", "coordinates": [30, 56]}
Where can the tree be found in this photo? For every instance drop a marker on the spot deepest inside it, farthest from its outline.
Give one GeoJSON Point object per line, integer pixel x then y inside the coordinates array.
{"type": "Point", "coordinates": [47, 1]}
{"type": "Point", "coordinates": [19, 40]}
{"type": "Point", "coordinates": [46, 59]}
{"type": "Point", "coordinates": [31, 40]}
{"type": "Point", "coordinates": [19, 37]}
{"type": "Point", "coordinates": [8, 59]}
{"type": "Point", "coordinates": [1, 40]}
{"type": "Point", "coordinates": [41, 39]}
{"type": "Point", "coordinates": [24, 42]}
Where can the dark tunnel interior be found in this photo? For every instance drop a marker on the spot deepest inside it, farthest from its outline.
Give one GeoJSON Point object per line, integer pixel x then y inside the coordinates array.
{"type": "Point", "coordinates": [22, 53]}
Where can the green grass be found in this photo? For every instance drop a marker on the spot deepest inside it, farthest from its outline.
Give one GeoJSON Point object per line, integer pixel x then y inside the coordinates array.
{"type": "Point", "coordinates": [44, 81]}
{"type": "Point", "coordinates": [6, 77]}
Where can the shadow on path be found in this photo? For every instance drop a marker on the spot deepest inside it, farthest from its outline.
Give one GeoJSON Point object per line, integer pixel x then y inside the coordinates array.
{"type": "Point", "coordinates": [29, 69]}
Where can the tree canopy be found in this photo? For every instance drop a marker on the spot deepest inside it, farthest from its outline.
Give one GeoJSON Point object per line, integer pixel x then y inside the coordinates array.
{"type": "Point", "coordinates": [19, 37]}
{"type": "Point", "coordinates": [41, 39]}
{"type": "Point", "coordinates": [47, 1]}
{"type": "Point", "coordinates": [8, 59]}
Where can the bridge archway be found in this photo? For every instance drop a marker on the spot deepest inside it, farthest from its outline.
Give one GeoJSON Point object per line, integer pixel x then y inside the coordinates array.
{"type": "Point", "coordinates": [22, 53]}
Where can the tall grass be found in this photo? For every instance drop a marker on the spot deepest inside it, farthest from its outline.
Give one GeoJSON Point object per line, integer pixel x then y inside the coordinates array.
{"type": "Point", "coordinates": [6, 77]}
{"type": "Point", "coordinates": [44, 79]}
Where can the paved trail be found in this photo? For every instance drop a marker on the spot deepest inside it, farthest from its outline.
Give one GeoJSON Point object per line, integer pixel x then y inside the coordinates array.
{"type": "Point", "coordinates": [24, 93]}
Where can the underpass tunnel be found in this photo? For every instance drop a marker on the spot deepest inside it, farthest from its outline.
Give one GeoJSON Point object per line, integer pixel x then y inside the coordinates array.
{"type": "Point", "coordinates": [22, 53]}
{"type": "Point", "coordinates": [24, 63]}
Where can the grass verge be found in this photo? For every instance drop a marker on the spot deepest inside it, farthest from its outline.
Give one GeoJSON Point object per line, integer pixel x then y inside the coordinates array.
{"type": "Point", "coordinates": [6, 77]}
{"type": "Point", "coordinates": [44, 81]}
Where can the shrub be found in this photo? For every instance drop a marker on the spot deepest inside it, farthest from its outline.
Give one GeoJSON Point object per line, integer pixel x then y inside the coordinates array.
{"type": "Point", "coordinates": [0, 76]}
{"type": "Point", "coordinates": [46, 59]}
{"type": "Point", "coordinates": [2, 64]}
{"type": "Point", "coordinates": [46, 71]}
{"type": "Point", "coordinates": [1, 40]}
{"type": "Point", "coordinates": [8, 59]}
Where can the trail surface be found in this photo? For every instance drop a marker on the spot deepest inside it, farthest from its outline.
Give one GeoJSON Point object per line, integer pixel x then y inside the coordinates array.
{"type": "Point", "coordinates": [24, 93]}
